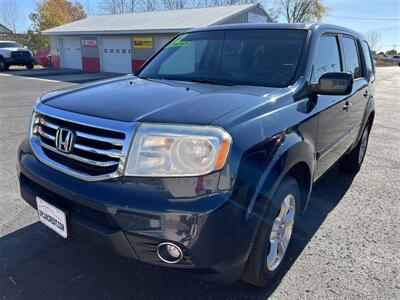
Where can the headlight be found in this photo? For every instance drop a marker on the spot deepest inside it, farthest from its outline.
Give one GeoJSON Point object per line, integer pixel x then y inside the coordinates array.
{"type": "Point", "coordinates": [7, 54]}
{"type": "Point", "coordinates": [33, 124]}
{"type": "Point", "coordinates": [177, 150]}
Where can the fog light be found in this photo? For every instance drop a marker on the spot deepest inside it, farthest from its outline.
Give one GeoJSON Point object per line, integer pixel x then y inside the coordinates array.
{"type": "Point", "coordinates": [169, 253]}
{"type": "Point", "coordinates": [173, 251]}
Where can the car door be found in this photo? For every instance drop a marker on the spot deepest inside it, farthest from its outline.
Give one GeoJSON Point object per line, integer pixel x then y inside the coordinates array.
{"type": "Point", "coordinates": [333, 118]}
{"type": "Point", "coordinates": [361, 93]}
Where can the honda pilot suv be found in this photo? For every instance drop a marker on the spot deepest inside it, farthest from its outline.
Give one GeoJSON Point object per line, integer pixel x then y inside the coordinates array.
{"type": "Point", "coordinates": [204, 160]}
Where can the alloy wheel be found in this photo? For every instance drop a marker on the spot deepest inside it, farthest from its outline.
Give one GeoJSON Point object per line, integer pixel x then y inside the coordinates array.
{"type": "Point", "coordinates": [281, 232]}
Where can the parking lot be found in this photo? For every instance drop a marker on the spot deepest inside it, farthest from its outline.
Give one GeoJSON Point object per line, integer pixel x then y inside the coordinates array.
{"type": "Point", "coordinates": [346, 247]}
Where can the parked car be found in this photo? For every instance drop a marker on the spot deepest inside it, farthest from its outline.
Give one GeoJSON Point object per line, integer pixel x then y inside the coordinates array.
{"type": "Point", "coordinates": [12, 53]}
{"type": "Point", "coordinates": [204, 160]}
{"type": "Point", "coordinates": [396, 58]}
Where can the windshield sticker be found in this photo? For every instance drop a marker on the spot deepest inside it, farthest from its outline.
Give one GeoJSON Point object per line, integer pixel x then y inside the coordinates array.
{"type": "Point", "coordinates": [178, 42]}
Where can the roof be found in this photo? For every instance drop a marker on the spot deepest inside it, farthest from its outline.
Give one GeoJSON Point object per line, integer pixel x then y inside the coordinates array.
{"type": "Point", "coordinates": [4, 29]}
{"type": "Point", "coordinates": [293, 26]}
{"type": "Point", "coordinates": [300, 26]}
{"type": "Point", "coordinates": [147, 22]}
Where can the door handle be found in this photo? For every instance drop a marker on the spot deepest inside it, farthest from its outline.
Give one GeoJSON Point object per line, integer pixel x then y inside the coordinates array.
{"type": "Point", "coordinates": [347, 106]}
{"type": "Point", "coordinates": [366, 94]}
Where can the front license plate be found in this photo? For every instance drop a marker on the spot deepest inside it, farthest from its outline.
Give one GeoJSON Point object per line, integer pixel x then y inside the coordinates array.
{"type": "Point", "coordinates": [52, 217]}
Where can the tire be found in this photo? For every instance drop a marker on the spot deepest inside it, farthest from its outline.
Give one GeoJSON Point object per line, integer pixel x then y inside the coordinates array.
{"type": "Point", "coordinates": [30, 66]}
{"type": "Point", "coordinates": [3, 65]}
{"type": "Point", "coordinates": [352, 161]}
{"type": "Point", "coordinates": [261, 266]}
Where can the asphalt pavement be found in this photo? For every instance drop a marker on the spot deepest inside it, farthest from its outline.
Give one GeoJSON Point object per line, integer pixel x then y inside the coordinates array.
{"type": "Point", "coordinates": [347, 247]}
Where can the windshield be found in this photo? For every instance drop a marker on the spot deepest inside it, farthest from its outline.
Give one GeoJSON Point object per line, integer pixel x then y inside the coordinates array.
{"type": "Point", "coordinates": [244, 57]}
{"type": "Point", "coordinates": [9, 45]}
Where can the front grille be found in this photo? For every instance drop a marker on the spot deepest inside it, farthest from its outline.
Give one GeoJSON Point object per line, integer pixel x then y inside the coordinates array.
{"type": "Point", "coordinates": [94, 151]}
{"type": "Point", "coordinates": [20, 54]}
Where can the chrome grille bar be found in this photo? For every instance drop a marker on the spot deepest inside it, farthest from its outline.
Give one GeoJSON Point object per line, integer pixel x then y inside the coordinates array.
{"type": "Point", "coordinates": [48, 124]}
{"type": "Point", "coordinates": [81, 159]}
{"type": "Point", "coordinates": [110, 153]}
{"type": "Point", "coordinates": [46, 135]}
{"type": "Point", "coordinates": [113, 141]}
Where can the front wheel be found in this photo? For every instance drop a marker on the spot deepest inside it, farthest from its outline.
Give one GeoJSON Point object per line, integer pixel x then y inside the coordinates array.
{"type": "Point", "coordinates": [30, 66]}
{"type": "Point", "coordinates": [3, 65]}
{"type": "Point", "coordinates": [275, 234]}
{"type": "Point", "coordinates": [352, 161]}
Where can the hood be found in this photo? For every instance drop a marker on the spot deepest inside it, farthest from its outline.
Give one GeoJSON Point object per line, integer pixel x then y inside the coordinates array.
{"type": "Point", "coordinates": [11, 49]}
{"type": "Point", "coordinates": [131, 99]}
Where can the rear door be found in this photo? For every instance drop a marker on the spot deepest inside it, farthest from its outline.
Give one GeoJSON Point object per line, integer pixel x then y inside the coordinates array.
{"type": "Point", "coordinates": [353, 59]}
{"type": "Point", "coordinates": [333, 119]}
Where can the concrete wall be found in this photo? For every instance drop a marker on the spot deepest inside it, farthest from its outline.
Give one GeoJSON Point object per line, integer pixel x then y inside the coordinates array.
{"type": "Point", "coordinates": [55, 51]}
{"type": "Point", "coordinates": [90, 54]}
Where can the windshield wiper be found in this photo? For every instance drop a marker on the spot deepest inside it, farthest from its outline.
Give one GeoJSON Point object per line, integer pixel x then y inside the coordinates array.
{"type": "Point", "coordinates": [199, 80]}
{"type": "Point", "coordinates": [211, 81]}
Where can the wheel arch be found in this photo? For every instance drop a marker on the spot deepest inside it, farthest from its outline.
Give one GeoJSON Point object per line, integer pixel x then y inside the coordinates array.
{"type": "Point", "coordinates": [302, 174]}
{"type": "Point", "coordinates": [294, 157]}
{"type": "Point", "coordinates": [371, 117]}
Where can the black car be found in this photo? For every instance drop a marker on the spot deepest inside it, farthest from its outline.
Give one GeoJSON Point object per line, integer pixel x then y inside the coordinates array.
{"type": "Point", "coordinates": [204, 160]}
{"type": "Point", "coordinates": [12, 53]}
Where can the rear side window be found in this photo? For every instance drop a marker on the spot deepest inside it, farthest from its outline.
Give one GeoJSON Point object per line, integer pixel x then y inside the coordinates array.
{"type": "Point", "coordinates": [351, 57]}
{"type": "Point", "coordinates": [327, 58]}
{"type": "Point", "coordinates": [368, 59]}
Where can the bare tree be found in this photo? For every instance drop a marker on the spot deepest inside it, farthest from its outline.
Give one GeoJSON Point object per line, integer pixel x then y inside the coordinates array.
{"type": "Point", "coordinates": [373, 38]}
{"type": "Point", "coordinates": [122, 6]}
{"type": "Point", "coordinates": [148, 5]}
{"type": "Point", "coordinates": [118, 6]}
{"type": "Point", "coordinates": [11, 15]}
{"type": "Point", "coordinates": [175, 4]}
{"type": "Point", "coordinates": [89, 8]}
{"type": "Point", "coordinates": [130, 5]}
{"type": "Point", "coordinates": [300, 11]}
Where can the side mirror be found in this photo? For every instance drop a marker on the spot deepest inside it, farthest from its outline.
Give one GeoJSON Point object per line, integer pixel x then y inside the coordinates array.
{"type": "Point", "coordinates": [335, 83]}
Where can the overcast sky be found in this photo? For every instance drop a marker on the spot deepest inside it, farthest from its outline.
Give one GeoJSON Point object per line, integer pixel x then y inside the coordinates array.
{"type": "Point", "coordinates": [360, 15]}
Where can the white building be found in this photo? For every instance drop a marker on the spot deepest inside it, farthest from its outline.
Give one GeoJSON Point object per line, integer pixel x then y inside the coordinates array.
{"type": "Point", "coordinates": [123, 42]}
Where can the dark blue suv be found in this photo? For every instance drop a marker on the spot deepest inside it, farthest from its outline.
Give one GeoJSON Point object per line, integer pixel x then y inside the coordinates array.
{"type": "Point", "coordinates": [204, 159]}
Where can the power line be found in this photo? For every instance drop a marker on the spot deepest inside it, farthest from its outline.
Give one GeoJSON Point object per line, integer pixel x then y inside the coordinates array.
{"type": "Point", "coordinates": [367, 19]}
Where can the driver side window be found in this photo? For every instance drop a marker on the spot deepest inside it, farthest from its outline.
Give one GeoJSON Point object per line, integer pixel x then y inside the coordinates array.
{"type": "Point", "coordinates": [327, 58]}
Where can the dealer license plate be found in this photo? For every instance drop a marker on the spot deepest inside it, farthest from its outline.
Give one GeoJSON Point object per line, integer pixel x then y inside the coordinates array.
{"type": "Point", "coordinates": [52, 217]}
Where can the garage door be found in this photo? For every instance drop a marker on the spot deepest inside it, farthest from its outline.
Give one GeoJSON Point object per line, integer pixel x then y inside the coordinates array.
{"type": "Point", "coordinates": [116, 55]}
{"type": "Point", "coordinates": [71, 53]}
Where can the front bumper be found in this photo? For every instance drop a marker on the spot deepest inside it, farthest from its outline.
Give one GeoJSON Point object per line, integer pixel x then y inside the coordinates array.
{"type": "Point", "coordinates": [132, 217]}
{"type": "Point", "coordinates": [19, 61]}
